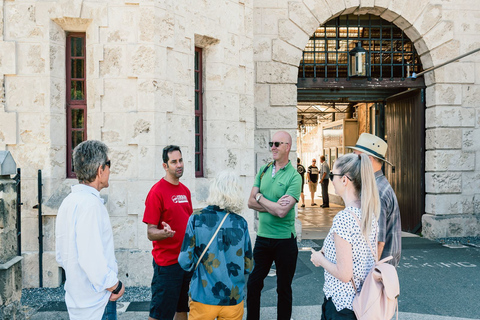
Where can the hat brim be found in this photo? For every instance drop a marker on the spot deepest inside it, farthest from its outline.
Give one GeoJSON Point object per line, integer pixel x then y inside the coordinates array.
{"type": "Point", "coordinates": [370, 154]}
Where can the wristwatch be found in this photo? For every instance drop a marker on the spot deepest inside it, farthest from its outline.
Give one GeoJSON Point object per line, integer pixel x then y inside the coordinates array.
{"type": "Point", "coordinates": [258, 196]}
{"type": "Point", "coordinates": [118, 288]}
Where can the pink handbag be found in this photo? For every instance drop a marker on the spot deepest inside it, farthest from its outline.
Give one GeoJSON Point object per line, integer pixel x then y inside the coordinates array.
{"type": "Point", "coordinates": [378, 298]}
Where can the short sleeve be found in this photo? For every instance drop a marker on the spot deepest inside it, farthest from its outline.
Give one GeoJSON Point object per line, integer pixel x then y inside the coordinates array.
{"type": "Point", "coordinates": [257, 177]}
{"type": "Point", "coordinates": [153, 209]}
{"type": "Point", "coordinates": [382, 219]}
{"type": "Point", "coordinates": [294, 189]}
{"type": "Point", "coordinates": [343, 225]}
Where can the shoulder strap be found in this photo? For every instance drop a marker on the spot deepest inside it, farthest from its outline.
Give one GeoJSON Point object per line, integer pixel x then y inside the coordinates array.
{"type": "Point", "coordinates": [265, 169]}
{"type": "Point", "coordinates": [366, 238]}
{"type": "Point", "coordinates": [211, 240]}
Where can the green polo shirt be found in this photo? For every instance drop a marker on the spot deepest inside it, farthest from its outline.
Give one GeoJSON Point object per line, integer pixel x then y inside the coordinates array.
{"type": "Point", "coordinates": [286, 181]}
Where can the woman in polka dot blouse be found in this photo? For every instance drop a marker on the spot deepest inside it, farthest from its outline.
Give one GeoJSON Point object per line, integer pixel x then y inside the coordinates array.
{"type": "Point", "coordinates": [346, 253]}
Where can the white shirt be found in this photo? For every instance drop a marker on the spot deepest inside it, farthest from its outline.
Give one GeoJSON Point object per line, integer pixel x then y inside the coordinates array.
{"type": "Point", "coordinates": [342, 293]}
{"type": "Point", "coordinates": [84, 248]}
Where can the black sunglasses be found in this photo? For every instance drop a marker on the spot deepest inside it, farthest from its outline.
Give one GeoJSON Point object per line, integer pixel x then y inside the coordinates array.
{"type": "Point", "coordinates": [108, 163]}
{"type": "Point", "coordinates": [331, 175]}
{"type": "Point", "coordinates": [276, 143]}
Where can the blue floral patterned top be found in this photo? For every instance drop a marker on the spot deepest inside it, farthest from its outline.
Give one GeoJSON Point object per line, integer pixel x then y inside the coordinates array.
{"type": "Point", "coordinates": [220, 277]}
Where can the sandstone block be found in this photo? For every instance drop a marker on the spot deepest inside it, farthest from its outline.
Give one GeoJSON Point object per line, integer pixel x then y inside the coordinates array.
{"type": "Point", "coordinates": [219, 133]}
{"type": "Point", "coordinates": [21, 98]}
{"type": "Point", "coordinates": [51, 270]}
{"type": "Point", "coordinates": [443, 138]}
{"type": "Point", "coordinates": [441, 33]}
{"type": "Point", "coordinates": [262, 48]}
{"type": "Point", "coordinates": [471, 140]}
{"type": "Point", "coordinates": [449, 204]}
{"type": "Point", "coordinates": [449, 160]}
{"type": "Point", "coordinates": [336, 7]}
{"type": "Point", "coordinates": [283, 94]}
{"type": "Point", "coordinates": [124, 232]}
{"type": "Point", "coordinates": [286, 53]}
{"type": "Point", "coordinates": [444, 94]}
{"type": "Point", "coordinates": [275, 72]}
{"type": "Point", "coordinates": [389, 15]}
{"type": "Point", "coordinates": [430, 16]}
{"type": "Point", "coordinates": [292, 34]}
{"type": "Point", "coordinates": [8, 127]}
{"type": "Point", "coordinates": [134, 267]}
{"type": "Point", "coordinates": [140, 129]}
{"type": "Point", "coordinates": [125, 166]}
{"type": "Point", "coordinates": [302, 17]}
{"type": "Point", "coordinates": [445, 116]}
{"type": "Point", "coordinates": [271, 19]}
{"type": "Point", "coordinates": [8, 63]}
{"type": "Point", "coordinates": [286, 118]}
{"type": "Point", "coordinates": [435, 227]}
{"type": "Point", "coordinates": [460, 72]}
{"type": "Point", "coordinates": [246, 111]}
{"type": "Point", "coordinates": [137, 194]}
{"type": "Point", "coordinates": [443, 182]}
{"type": "Point", "coordinates": [320, 10]}
{"type": "Point", "coordinates": [471, 183]}
{"type": "Point", "coordinates": [120, 95]}
{"type": "Point", "coordinates": [117, 204]}
{"type": "Point", "coordinates": [470, 94]}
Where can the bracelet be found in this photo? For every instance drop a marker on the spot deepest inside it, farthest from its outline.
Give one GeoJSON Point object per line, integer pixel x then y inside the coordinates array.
{"type": "Point", "coordinates": [118, 288]}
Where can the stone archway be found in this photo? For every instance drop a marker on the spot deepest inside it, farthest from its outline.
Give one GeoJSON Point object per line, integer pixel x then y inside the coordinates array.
{"type": "Point", "coordinates": [434, 40]}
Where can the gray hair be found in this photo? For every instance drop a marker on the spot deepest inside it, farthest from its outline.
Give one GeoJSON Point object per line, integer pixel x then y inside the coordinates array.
{"type": "Point", "coordinates": [87, 157]}
{"type": "Point", "coordinates": [226, 192]}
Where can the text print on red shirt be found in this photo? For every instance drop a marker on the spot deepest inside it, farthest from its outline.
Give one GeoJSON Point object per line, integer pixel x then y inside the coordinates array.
{"type": "Point", "coordinates": [179, 199]}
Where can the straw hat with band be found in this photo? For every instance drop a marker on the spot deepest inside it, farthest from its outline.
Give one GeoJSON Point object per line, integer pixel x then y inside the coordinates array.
{"type": "Point", "coordinates": [372, 145]}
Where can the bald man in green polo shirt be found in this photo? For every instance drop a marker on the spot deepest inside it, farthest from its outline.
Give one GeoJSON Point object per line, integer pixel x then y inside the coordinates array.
{"type": "Point", "coordinates": [274, 194]}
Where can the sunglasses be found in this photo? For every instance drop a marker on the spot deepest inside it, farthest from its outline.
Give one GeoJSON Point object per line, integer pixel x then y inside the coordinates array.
{"type": "Point", "coordinates": [276, 144]}
{"type": "Point", "coordinates": [108, 163]}
{"type": "Point", "coordinates": [331, 175]}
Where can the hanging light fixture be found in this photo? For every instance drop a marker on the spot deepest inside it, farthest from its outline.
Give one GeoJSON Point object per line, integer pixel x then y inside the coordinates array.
{"type": "Point", "coordinates": [358, 61]}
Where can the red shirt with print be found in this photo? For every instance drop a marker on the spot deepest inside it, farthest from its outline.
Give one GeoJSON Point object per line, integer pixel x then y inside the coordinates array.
{"type": "Point", "coordinates": [172, 204]}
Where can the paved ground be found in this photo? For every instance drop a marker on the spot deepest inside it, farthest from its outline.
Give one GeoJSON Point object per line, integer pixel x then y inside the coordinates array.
{"type": "Point", "coordinates": [436, 282]}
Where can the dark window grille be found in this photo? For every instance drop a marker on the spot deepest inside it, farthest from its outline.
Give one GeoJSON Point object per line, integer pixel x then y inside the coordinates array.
{"type": "Point", "coordinates": [198, 113]}
{"type": "Point", "coordinates": [76, 95]}
{"type": "Point", "coordinates": [391, 54]}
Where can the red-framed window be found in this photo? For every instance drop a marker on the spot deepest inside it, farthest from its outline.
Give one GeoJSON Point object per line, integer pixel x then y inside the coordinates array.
{"type": "Point", "coordinates": [198, 113]}
{"type": "Point", "coordinates": [76, 95]}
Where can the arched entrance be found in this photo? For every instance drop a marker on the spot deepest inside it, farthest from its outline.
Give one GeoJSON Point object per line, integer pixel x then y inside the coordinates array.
{"type": "Point", "coordinates": [336, 106]}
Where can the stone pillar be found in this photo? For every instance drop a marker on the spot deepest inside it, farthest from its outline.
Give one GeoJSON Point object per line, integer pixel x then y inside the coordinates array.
{"type": "Point", "coordinates": [10, 263]}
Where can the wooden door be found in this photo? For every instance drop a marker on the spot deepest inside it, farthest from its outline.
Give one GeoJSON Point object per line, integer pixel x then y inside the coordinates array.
{"type": "Point", "coordinates": [405, 135]}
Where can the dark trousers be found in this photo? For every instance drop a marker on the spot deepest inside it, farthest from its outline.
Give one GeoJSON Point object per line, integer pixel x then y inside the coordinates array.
{"type": "Point", "coordinates": [326, 200]}
{"type": "Point", "coordinates": [284, 252]}
{"type": "Point", "coordinates": [329, 312]}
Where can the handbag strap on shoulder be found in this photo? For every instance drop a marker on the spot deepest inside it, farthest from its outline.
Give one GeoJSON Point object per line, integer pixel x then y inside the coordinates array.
{"type": "Point", "coordinates": [211, 240]}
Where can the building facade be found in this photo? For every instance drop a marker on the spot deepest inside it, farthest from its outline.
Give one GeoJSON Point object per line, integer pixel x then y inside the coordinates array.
{"type": "Point", "coordinates": [217, 78]}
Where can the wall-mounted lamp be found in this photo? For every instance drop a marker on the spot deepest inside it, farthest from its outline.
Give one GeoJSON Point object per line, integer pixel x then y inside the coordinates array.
{"type": "Point", "coordinates": [358, 61]}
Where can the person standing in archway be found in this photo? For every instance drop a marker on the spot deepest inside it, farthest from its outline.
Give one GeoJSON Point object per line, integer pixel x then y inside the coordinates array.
{"type": "Point", "coordinates": [301, 170]}
{"type": "Point", "coordinates": [324, 173]}
{"type": "Point", "coordinates": [312, 175]}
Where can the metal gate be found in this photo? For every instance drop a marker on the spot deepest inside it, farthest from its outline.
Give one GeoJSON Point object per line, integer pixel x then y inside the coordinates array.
{"type": "Point", "coordinates": [405, 134]}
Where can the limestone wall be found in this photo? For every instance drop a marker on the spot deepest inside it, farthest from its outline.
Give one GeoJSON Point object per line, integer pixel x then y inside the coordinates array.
{"type": "Point", "coordinates": [140, 97]}
{"type": "Point", "coordinates": [140, 91]}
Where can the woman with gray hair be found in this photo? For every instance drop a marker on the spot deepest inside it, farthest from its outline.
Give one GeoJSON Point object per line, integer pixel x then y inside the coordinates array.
{"type": "Point", "coordinates": [217, 246]}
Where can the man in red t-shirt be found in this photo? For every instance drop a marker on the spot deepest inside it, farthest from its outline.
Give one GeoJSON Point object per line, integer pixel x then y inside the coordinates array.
{"type": "Point", "coordinates": [167, 209]}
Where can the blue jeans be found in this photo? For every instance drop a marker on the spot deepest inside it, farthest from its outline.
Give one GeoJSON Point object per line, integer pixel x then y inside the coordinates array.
{"type": "Point", "coordinates": [284, 252]}
{"type": "Point", "coordinates": [110, 311]}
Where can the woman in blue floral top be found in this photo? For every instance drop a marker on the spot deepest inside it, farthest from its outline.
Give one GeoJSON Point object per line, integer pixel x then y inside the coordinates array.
{"type": "Point", "coordinates": [217, 284]}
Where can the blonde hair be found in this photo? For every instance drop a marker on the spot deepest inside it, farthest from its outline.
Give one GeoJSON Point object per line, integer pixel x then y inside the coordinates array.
{"type": "Point", "coordinates": [360, 171]}
{"type": "Point", "coordinates": [226, 192]}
